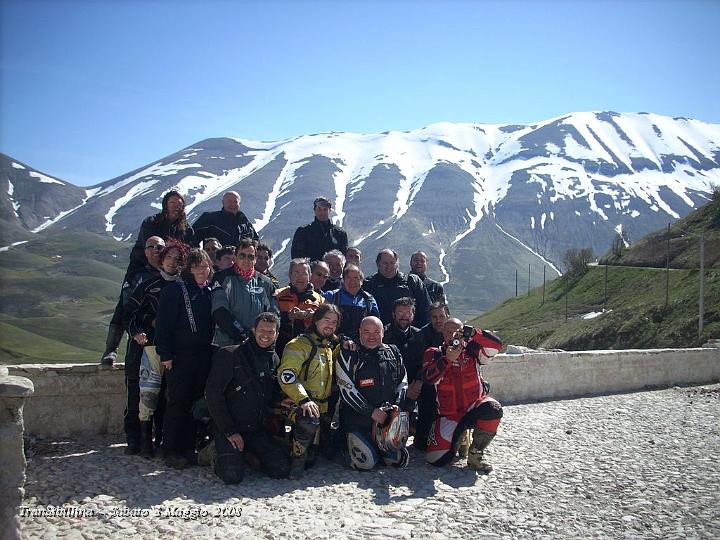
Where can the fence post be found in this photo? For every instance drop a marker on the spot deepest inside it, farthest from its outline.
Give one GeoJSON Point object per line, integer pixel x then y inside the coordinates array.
{"type": "Point", "coordinates": [702, 286]}
{"type": "Point", "coordinates": [667, 267]}
{"type": "Point", "coordinates": [605, 297]}
{"type": "Point", "coordinates": [528, 279]}
{"type": "Point", "coordinates": [543, 298]}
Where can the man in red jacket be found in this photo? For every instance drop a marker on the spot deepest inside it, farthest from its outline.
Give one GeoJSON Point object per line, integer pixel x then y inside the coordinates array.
{"type": "Point", "coordinates": [462, 394]}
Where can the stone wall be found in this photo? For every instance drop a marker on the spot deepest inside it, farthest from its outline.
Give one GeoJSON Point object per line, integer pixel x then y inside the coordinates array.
{"type": "Point", "coordinates": [72, 399]}
{"type": "Point", "coordinates": [86, 398]}
{"type": "Point", "coordinates": [14, 392]}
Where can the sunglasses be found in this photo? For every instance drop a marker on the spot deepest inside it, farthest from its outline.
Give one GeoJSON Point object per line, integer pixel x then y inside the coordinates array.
{"type": "Point", "coordinates": [248, 256]}
{"type": "Point", "coordinates": [156, 247]}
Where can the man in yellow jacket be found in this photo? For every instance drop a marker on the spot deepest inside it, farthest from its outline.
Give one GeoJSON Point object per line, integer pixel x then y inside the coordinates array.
{"type": "Point", "coordinates": [306, 376]}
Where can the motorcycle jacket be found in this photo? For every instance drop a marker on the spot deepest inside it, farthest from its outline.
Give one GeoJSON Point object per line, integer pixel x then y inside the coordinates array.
{"type": "Point", "coordinates": [368, 379]}
{"type": "Point", "coordinates": [459, 384]}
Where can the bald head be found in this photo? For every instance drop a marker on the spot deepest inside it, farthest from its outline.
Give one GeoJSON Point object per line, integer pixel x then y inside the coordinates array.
{"type": "Point", "coordinates": [231, 202]}
{"type": "Point", "coordinates": [153, 246]}
{"type": "Point", "coordinates": [450, 328]}
{"type": "Point", "coordinates": [371, 332]}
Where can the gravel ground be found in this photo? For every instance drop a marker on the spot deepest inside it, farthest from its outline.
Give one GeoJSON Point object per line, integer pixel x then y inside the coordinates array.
{"type": "Point", "coordinates": [640, 465]}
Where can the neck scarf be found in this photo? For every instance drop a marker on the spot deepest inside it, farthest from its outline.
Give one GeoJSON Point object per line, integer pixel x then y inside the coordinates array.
{"type": "Point", "coordinates": [169, 277]}
{"type": "Point", "coordinates": [243, 274]}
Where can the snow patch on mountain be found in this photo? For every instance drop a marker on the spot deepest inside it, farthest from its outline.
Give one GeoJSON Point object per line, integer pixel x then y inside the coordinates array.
{"type": "Point", "coordinates": [17, 166]}
{"type": "Point", "coordinates": [157, 169]}
{"type": "Point", "coordinates": [15, 204]}
{"type": "Point", "coordinates": [6, 248]}
{"type": "Point", "coordinates": [135, 191]}
{"type": "Point", "coordinates": [281, 250]}
{"type": "Point", "coordinates": [543, 259]}
{"type": "Point", "coordinates": [441, 263]}
{"type": "Point", "coordinates": [45, 179]}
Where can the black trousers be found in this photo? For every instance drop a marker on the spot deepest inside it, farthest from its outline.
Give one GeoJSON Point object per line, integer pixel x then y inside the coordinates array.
{"type": "Point", "coordinates": [132, 386]}
{"type": "Point", "coordinates": [427, 410]}
{"type": "Point", "coordinates": [185, 383]}
{"type": "Point", "coordinates": [230, 462]}
{"type": "Point", "coordinates": [118, 313]}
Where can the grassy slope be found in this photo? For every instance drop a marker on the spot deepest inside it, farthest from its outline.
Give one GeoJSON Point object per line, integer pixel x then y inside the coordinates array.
{"type": "Point", "coordinates": [684, 245]}
{"type": "Point", "coordinates": [57, 294]}
{"type": "Point", "coordinates": [638, 318]}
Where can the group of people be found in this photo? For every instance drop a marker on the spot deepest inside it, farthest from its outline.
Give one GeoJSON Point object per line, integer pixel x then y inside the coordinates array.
{"type": "Point", "coordinates": [227, 366]}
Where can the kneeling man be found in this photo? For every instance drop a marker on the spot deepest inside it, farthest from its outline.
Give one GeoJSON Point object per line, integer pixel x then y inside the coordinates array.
{"type": "Point", "coordinates": [462, 394]}
{"type": "Point", "coordinates": [241, 385]}
{"type": "Point", "coordinates": [372, 382]}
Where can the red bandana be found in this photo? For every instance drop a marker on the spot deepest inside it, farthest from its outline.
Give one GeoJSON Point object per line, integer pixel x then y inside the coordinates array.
{"type": "Point", "coordinates": [245, 275]}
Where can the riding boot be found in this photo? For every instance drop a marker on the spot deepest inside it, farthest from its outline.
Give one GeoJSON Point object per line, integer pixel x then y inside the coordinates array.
{"type": "Point", "coordinates": [298, 460]}
{"type": "Point", "coordinates": [481, 440]}
{"type": "Point", "coordinates": [112, 341]}
{"type": "Point", "coordinates": [146, 439]}
{"type": "Point", "coordinates": [464, 444]}
{"type": "Point", "coordinates": [297, 466]}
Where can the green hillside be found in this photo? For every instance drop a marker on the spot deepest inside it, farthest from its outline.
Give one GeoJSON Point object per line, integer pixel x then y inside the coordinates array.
{"type": "Point", "coordinates": [684, 242]}
{"type": "Point", "coordinates": [57, 294]}
{"type": "Point", "coordinates": [636, 315]}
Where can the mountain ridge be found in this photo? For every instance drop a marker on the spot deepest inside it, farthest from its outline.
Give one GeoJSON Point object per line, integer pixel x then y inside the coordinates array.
{"type": "Point", "coordinates": [482, 200]}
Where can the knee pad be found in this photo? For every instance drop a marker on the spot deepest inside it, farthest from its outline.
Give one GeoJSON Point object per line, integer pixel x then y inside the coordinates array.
{"type": "Point", "coordinates": [363, 454]}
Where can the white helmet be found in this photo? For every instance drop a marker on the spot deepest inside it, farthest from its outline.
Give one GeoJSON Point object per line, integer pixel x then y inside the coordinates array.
{"type": "Point", "coordinates": [391, 435]}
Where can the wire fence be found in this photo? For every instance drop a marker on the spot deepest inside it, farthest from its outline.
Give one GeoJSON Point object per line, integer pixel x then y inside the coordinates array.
{"type": "Point", "coordinates": [524, 284]}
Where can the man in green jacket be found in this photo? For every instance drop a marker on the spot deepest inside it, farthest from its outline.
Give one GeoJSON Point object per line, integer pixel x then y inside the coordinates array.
{"type": "Point", "coordinates": [306, 376]}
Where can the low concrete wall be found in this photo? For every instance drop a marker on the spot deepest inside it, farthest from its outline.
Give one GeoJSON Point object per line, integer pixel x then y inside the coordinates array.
{"type": "Point", "coordinates": [556, 375]}
{"type": "Point", "coordinates": [71, 399]}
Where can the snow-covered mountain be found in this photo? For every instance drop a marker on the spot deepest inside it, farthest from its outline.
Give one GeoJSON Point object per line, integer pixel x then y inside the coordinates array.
{"type": "Point", "coordinates": [30, 199]}
{"type": "Point", "coordinates": [482, 200]}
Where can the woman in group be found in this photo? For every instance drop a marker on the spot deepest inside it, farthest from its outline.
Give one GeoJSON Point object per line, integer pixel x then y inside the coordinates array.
{"type": "Point", "coordinates": [140, 316]}
{"type": "Point", "coordinates": [183, 338]}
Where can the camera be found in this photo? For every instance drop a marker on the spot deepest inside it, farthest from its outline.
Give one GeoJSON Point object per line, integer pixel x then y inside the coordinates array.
{"type": "Point", "coordinates": [467, 334]}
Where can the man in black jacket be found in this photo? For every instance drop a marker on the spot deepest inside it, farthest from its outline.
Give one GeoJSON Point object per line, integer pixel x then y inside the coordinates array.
{"type": "Point", "coordinates": [432, 336]}
{"type": "Point", "coordinates": [228, 225]}
{"type": "Point", "coordinates": [389, 284]}
{"type": "Point", "coordinates": [370, 377]}
{"type": "Point", "coordinates": [239, 389]}
{"type": "Point", "coordinates": [419, 266]}
{"type": "Point", "coordinates": [153, 248]}
{"type": "Point", "coordinates": [407, 338]}
{"type": "Point", "coordinates": [314, 240]}
{"type": "Point", "coordinates": [170, 223]}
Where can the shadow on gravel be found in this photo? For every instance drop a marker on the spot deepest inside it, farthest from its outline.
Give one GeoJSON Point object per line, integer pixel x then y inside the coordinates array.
{"type": "Point", "coordinates": [81, 471]}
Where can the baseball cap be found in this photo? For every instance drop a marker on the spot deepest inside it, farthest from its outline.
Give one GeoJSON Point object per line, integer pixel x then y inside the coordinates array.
{"type": "Point", "coordinates": [322, 201]}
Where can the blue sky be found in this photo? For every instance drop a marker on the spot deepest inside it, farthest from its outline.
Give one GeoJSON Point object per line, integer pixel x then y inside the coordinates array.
{"type": "Point", "coordinates": [92, 90]}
